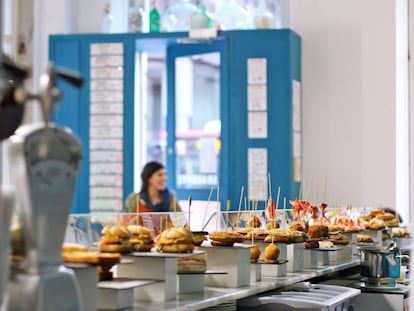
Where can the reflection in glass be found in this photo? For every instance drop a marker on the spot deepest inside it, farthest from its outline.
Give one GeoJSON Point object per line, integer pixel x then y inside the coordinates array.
{"type": "Point", "coordinates": [198, 127]}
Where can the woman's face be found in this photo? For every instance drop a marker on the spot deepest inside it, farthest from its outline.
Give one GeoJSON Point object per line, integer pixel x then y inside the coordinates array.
{"type": "Point", "coordinates": [158, 180]}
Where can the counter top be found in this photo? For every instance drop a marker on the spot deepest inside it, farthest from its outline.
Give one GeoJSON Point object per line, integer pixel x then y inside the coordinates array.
{"type": "Point", "coordinates": [216, 296]}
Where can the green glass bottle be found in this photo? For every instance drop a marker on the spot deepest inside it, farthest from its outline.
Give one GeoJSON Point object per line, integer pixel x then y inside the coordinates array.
{"type": "Point", "coordinates": [154, 19]}
{"type": "Point", "coordinates": [210, 21]}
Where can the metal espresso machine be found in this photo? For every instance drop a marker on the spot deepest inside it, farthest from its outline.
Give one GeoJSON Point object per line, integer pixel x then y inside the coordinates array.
{"type": "Point", "coordinates": [11, 116]}
{"type": "Point", "coordinates": [44, 161]}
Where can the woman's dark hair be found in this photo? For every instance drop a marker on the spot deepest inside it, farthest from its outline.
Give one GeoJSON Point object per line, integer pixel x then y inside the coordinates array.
{"type": "Point", "coordinates": [149, 169]}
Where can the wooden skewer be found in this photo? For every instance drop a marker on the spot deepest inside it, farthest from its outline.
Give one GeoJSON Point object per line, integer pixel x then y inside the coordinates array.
{"type": "Point", "coordinates": [245, 208]}
{"type": "Point", "coordinates": [324, 189]}
{"type": "Point", "coordinates": [300, 188]}
{"type": "Point", "coordinates": [270, 185]}
{"type": "Point", "coordinates": [277, 198]}
{"type": "Point", "coordinates": [218, 206]}
{"type": "Point", "coordinates": [309, 186]}
{"type": "Point", "coordinates": [208, 202]}
{"type": "Point", "coordinates": [189, 212]}
{"type": "Point", "coordinates": [175, 211]}
{"type": "Point", "coordinates": [240, 204]}
{"type": "Point", "coordinates": [227, 214]}
{"type": "Point", "coordinates": [137, 208]}
{"type": "Point", "coordinates": [284, 212]}
{"type": "Point", "coordinates": [276, 208]}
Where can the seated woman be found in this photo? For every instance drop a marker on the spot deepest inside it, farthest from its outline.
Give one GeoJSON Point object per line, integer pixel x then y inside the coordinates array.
{"type": "Point", "coordinates": [154, 197]}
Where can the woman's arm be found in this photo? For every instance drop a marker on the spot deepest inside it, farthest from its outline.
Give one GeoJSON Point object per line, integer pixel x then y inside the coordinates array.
{"type": "Point", "coordinates": [131, 203]}
{"type": "Point", "coordinates": [174, 206]}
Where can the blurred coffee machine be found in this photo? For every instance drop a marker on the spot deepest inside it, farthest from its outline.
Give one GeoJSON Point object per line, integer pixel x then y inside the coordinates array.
{"type": "Point", "coordinates": [43, 163]}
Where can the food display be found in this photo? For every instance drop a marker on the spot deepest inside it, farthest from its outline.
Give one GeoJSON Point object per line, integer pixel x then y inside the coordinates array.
{"type": "Point", "coordinates": [389, 219]}
{"type": "Point", "coordinates": [299, 226]}
{"type": "Point", "coordinates": [243, 231]}
{"type": "Point", "coordinates": [311, 243]}
{"type": "Point", "coordinates": [224, 238]}
{"type": "Point", "coordinates": [192, 264]}
{"type": "Point", "coordinates": [75, 253]}
{"type": "Point", "coordinates": [254, 222]}
{"type": "Point", "coordinates": [273, 224]}
{"type": "Point", "coordinates": [175, 240]}
{"type": "Point", "coordinates": [339, 239]}
{"type": "Point", "coordinates": [326, 244]}
{"type": "Point", "coordinates": [115, 239]}
{"type": "Point", "coordinates": [90, 257]}
{"type": "Point", "coordinates": [333, 229]}
{"type": "Point", "coordinates": [400, 232]}
{"type": "Point", "coordinates": [255, 253]}
{"type": "Point", "coordinates": [142, 239]}
{"type": "Point", "coordinates": [257, 234]}
{"type": "Point", "coordinates": [285, 235]}
{"type": "Point", "coordinates": [73, 247]}
{"type": "Point", "coordinates": [17, 243]}
{"type": "Point", "coordinates": [271, 215]}
{"type": "Point", "coordinates": [199, 237]}
{"type": "Point", "coordinates": [378, 219]}
{"type": "Point", "coordinates": [271, 253]}
{"type": "Point", "coordinates": [376, 224]}
{"type": "Point", "coordinates": [392, 222]}
{"type": "Point", "coordinates": [364, 238]}
{"type": "Point", "coordinates": [81, 257]}
{"type": "Point", "coordinates": [347, 224]}
{"type": "Point", "coordinates": [317, 231]}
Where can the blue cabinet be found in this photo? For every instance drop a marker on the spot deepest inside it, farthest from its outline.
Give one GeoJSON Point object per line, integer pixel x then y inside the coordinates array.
{"type": "Point", "coordinates": [259, 112]}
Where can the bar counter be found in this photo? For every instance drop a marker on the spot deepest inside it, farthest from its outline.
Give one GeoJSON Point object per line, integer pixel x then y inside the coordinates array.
{"type": "Point", "coordinates": [216, 296]}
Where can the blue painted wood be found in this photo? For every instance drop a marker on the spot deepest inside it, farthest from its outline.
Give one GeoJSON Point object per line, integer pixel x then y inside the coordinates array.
{"type": "Point", "coordinates": [281, 48]}
{"type": "Point", "coordinates": [72, 52]}
{"type": "Point", "coordinates": [217, 45]}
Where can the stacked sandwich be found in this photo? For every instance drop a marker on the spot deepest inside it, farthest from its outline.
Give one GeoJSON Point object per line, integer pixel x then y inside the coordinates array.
{"type": "Point", "coordinates": [175, 240]}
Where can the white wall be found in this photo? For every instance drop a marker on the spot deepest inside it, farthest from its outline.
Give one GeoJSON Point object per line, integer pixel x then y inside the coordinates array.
{"type": "Point", "coordinates": [348, 67]}
{"type": "Point", "coordinates": [411, 116]}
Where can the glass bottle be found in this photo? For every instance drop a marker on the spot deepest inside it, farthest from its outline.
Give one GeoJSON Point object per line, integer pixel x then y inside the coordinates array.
{"type": "Point", "coordinates": [154, 19]}
{"type": "Point", "coordinates": [210, 20]}
{"type": "Point", "coordinates": [263, 18]}
{"type": "Point", "coordinates": [167, 19]}
{"type": "Point", "coordinates": [182, 11]}
{"type": "Point", "coordinates": [106, 23]}
{"type": "Point", "coordinates": [198, 19]}
{"type": "Point", "coordinates": [136, 17]}
{"type": "Point", "coordinates": [230, 15]}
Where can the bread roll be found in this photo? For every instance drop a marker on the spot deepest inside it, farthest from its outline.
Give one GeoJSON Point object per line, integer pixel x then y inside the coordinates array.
{"type": "Point", "coordinates": [385, 216]}
{"type": "Point", "coordinates": [176, 240]}
{"type": "Point", "coordinates": [376, 224]}
{"type": "Point", "coordinates": [224, 238]}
